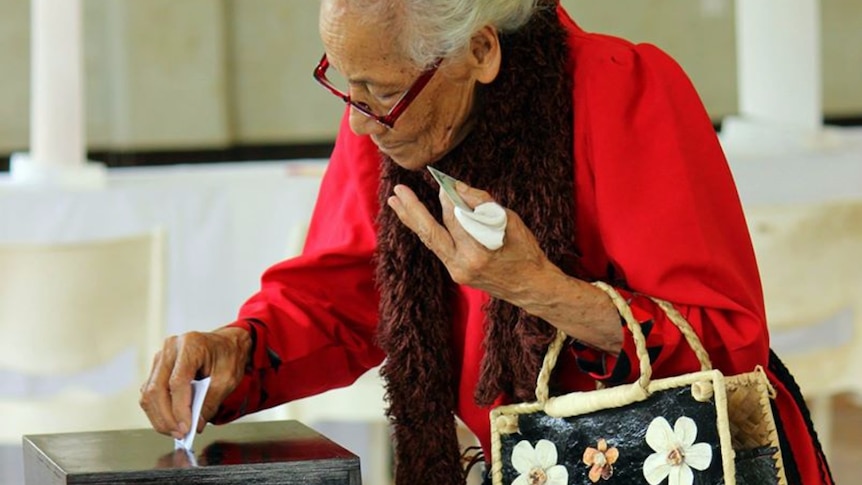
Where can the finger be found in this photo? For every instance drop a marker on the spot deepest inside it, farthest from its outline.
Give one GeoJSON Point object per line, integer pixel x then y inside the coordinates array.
{"type": "Point", "coordinates": [155, 398]}
{"type": "Point", "coordinates": [218, 391]}
{"type": "Point", "coordinates": [460, 237]}
{"type": "Point", "coordinates": [209, 409]}
{"type": "Point", "coordinates": [188, 362]}
{"type": "Point", "coordinates": [456, 231]}
{"type": "Point", "coordinates": [472, 196]}
{"type": "Point", "coordinates": [202, 423]}
{"type": "Point", "coordinates": [413, 213]}
{"type": "Point", "coordinates": [153, 367]}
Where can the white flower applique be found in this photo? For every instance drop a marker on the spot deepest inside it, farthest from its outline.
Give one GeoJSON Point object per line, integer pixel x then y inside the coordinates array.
{"type": "Point", "coordinates": [676, 453]}
{"type": "Point", "coordinates": [538, 466]}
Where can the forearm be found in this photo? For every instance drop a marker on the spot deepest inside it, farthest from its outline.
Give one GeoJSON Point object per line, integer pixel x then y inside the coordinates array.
{"type": "Point", "coordinates": [574, 306]}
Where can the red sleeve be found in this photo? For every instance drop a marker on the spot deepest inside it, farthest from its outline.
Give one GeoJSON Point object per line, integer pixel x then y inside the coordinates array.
{"type": "Point", "coordinates": [314, 319]}
{"type": "Point", "coordinates": [667, 212]}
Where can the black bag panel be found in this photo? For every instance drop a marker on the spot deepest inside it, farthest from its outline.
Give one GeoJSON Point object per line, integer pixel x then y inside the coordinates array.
{"type": "Point", "coordinates": [757, 466]}
{"type": "Point", "coordinates": [624, 428]}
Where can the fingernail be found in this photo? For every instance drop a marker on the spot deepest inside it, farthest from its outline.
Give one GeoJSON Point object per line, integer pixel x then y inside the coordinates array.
{"type": "Point", "coordinates": [183, 429]}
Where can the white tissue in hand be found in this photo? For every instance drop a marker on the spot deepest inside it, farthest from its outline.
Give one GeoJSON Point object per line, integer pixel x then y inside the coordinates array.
{"type": "Point", "coordinates": [487, 223]}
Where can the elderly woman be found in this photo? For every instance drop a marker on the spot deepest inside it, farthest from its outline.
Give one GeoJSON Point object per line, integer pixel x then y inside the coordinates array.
{"type": "Point", "coordinates": [609, 169]}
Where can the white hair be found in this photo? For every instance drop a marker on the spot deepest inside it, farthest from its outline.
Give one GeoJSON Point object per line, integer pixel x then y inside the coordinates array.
{"type": "Point", "coordinates": [440, 28]}
{"type": "Point", "coordinates": [433, 29]}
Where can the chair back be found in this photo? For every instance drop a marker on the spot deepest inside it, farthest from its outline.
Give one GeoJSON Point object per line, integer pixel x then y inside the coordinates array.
{"type": "Point", "coordinates": [812, 282]}
{"type": "Point", "coordinates": [68, 309]}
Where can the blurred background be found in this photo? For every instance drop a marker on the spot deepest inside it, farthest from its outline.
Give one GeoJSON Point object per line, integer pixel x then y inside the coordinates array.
{"type": "Point", "coordinates": [215, 134]}
{"type": "Point", "coordinates": [231, 77]}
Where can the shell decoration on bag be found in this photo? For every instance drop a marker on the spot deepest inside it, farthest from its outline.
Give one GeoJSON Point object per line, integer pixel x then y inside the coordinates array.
{"type": "Point", "coordinates": [676, 453]}
{"type": "Point", "coordinates": [601, 460]}
{"type": "Point", "coordinates": [538, 466]}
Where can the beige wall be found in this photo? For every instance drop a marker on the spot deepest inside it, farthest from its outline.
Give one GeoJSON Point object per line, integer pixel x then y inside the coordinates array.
{"type": "Point", "coordinates": [167, 69]}
{"type": "Point", "coordinates": [163, 74]}
{"type": "Point", "coordinates": [14, 75]}
{"type": "Point", "coordinates": [842, 59]}
{"type": "Point", "coordinates": [698, 34]}
{"type": "Point", "coordinates": [276, 46]}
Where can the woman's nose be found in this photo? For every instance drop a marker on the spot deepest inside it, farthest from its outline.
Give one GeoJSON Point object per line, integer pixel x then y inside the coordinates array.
{"type": "Point", "coordinates": [361, 124]}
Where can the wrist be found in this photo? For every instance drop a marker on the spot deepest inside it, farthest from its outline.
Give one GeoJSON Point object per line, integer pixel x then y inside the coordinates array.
{"type": "Point", "coordinates": [576, 307]}
{"type": "Point", "coordinates": [541, 290]}
{"type": "Point", "coordinates": [241, 339]}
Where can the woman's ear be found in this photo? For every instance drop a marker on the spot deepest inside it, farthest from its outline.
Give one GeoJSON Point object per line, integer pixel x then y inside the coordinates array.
{"type": "Point", "coordinates": [485, 54]}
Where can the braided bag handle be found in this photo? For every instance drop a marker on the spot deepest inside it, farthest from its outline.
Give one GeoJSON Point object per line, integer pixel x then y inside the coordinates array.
{"type": "Point", "coordinates": [634, 327]}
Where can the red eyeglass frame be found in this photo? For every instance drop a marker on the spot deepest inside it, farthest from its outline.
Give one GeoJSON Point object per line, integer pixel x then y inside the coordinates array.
{"type": "Point", "coordinates": [387, 120]}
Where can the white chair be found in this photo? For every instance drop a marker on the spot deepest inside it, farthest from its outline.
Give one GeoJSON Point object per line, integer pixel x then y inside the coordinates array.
{"type": "Point", "coordinates": [81, 321]}
{"type": "Point", "coordinates": [811, 268]}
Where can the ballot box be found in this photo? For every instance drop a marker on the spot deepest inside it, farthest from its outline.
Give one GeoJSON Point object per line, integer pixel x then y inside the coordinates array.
{"type": "Point", "coordinates": [277, 452]}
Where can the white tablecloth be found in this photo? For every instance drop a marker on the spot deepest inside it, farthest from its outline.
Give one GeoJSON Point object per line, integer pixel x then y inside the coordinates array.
{"type": "Point", "coordinates": [224, 223]}
{"type": "Point", "coordinates": [800, 177]}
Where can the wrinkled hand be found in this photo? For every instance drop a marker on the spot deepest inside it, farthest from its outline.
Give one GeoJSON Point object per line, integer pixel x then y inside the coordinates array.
{"type": "Point", "coordinates": [503, 273]}
{"type": "Point", "coordinates": [166, 396]}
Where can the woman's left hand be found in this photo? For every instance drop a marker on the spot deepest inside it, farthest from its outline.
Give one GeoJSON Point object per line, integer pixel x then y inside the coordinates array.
{"type": "Point", "coordinates": [519, 272]}
{"type": "Point", "coordinates": [507, 273]}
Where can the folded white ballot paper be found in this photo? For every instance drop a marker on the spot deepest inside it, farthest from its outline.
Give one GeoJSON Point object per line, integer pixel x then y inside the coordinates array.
{"type": "Point", "coordinates": [486, 222]}
{"type": "Point", "coordinates": [199, 392]}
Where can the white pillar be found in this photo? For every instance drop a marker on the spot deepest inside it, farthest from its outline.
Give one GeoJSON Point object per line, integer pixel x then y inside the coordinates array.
{"type": "Point", "coordinates": [57, 135]}
{"type": "Point", "coordinates": [779, 62]}
{"type": "Point", "coordinates": [778, 45]}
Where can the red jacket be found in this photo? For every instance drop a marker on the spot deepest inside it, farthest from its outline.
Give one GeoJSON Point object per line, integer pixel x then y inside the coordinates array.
{"type": "Point", "coordinates": [655, 201]}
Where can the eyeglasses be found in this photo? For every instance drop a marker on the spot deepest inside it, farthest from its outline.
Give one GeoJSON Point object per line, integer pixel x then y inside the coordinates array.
{"type": "Point", "coordinates": [387, 120]}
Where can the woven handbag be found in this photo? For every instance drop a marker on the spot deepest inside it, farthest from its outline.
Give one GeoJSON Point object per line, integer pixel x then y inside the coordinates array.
{"type": "Point", "coordinates": [700, 428]}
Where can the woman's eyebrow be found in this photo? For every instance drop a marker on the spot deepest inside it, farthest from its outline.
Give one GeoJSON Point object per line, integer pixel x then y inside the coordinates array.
{"type": "Point", "coordinates": [368, 81]}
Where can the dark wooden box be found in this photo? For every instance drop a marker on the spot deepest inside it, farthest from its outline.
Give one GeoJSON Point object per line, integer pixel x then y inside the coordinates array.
{"type": "Point", "coordinates": [278, 452]}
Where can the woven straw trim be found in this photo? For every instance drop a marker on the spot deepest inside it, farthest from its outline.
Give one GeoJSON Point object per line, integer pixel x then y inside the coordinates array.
{"type": "Point", "coordinates": [548, 364]}
{"type": "Point", "coordinates": [685, 328]}
{"type": "Point", "coordinates": [752, 423]}
{"type": "Point", "coordinates": [496, 439]}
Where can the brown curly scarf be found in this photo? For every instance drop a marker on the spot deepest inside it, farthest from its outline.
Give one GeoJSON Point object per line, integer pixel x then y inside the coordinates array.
{"type": "Point", "coordinates": [521, 152]}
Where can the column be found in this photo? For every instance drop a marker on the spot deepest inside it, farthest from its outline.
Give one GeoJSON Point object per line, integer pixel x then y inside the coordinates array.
{"type": "Point", "coordinates": [778, 44]}
{"type": "Point", "coordinates": [57, 135]}
{"type": "Point", "coordinates": [779, 60]}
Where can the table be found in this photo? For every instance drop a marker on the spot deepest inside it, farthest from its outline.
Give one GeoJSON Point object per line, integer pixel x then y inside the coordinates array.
{"type": "Point", "coordinates": [799, 177]}
{"type": "Point", "coordinates": [284, 452]}
{"type": "Point", "coordinates": [224, 223]}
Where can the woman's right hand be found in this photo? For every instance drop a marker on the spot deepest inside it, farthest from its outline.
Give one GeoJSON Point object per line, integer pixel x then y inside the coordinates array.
{"type": "Point", "coordinates": [166, 396]}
